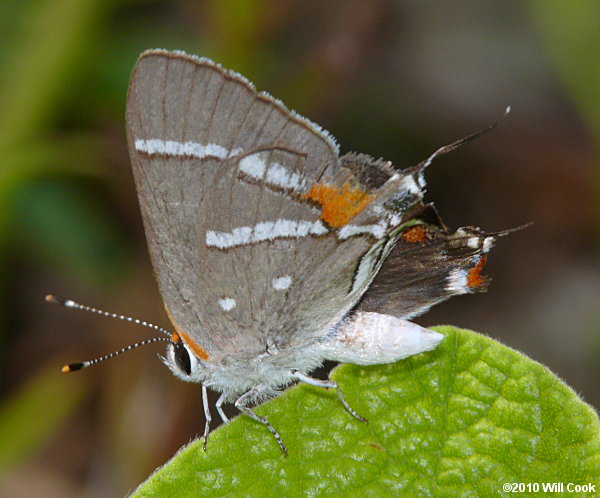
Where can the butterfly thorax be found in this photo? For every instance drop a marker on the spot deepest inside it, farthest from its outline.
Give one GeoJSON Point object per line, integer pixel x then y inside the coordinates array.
{"type": "Point", "coordinates": [234, 375]}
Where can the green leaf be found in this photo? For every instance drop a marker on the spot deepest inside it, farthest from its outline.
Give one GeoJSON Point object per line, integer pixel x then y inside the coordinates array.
{"type": "Point", "coordinates": [458, 421]}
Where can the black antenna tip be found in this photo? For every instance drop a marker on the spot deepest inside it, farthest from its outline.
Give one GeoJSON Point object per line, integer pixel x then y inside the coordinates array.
{"type": "Point", "coordinates": [72, 367]}
{"type": "Point", "coordinates": [50, 298]}
{"type": "Point", "coordinates": [68, 303]}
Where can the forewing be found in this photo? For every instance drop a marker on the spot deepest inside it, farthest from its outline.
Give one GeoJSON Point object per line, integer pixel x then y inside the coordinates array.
{"type": "Point", "coordinates": [260, 236]}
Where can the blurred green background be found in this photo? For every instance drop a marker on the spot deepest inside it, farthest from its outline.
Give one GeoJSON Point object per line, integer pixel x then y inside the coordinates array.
{"type": "Point", "coordinates": [395, 79]}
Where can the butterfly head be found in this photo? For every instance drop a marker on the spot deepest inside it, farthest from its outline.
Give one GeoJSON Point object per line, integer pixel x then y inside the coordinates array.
{"type": "Point", "coordinates": [185, 358]}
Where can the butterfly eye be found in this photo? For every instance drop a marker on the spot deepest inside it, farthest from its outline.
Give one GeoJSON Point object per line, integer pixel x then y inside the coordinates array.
{"type": "Point", "coordinates": [182, 358]}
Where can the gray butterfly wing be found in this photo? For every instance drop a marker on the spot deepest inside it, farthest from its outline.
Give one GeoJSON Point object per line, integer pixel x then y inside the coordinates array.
{"type": "Point", "coordinates": [259, 235]}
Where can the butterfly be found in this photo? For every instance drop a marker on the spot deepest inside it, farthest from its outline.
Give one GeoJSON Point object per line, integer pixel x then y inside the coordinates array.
{"type": "Point", "coordinates": [273, 252]}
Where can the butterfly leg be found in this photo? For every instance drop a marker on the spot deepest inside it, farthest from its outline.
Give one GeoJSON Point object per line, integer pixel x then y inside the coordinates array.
{"type": "Point", "coordinates": [207, 415]}
{"type": "Point", "coordinates": [328, 384]}
{"type": "Point", "coordinates": [250, 396]}
{"type": "Point", "coordinates": [219, 405]}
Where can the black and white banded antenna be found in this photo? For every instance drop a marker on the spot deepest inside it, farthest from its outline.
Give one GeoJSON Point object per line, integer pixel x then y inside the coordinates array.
{"type": "Point", "coordinates": [69, 303]}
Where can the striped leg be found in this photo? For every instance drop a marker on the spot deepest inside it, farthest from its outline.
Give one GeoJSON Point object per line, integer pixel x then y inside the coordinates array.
{"type": "Point", "coordinates": [207, 415]}
{"type": "Point", "coordinates": [219, 405]}
{"type": "Point", "coordinates": [245, 399]}
{"type": "Point", "coordinates": [328, 384]}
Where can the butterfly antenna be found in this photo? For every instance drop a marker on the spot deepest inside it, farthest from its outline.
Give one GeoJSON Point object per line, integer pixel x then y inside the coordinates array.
{"type": "Point", "coordinates": [69, 303]}
{"type": "Point", "coordinates": [72, 367]}
{"type": "Point", "coordinates": [455, 145]}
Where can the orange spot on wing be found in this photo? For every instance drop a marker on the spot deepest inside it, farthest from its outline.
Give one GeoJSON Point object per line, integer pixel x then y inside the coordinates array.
{"type": "Point", "coordinates": [475, 278]}
{"type": "Point", "coordinates": [414, 234]}
{"type": "Point", "coordinates": [180, 334]}
{"type": "Point", "coordinates": [340, 204]}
